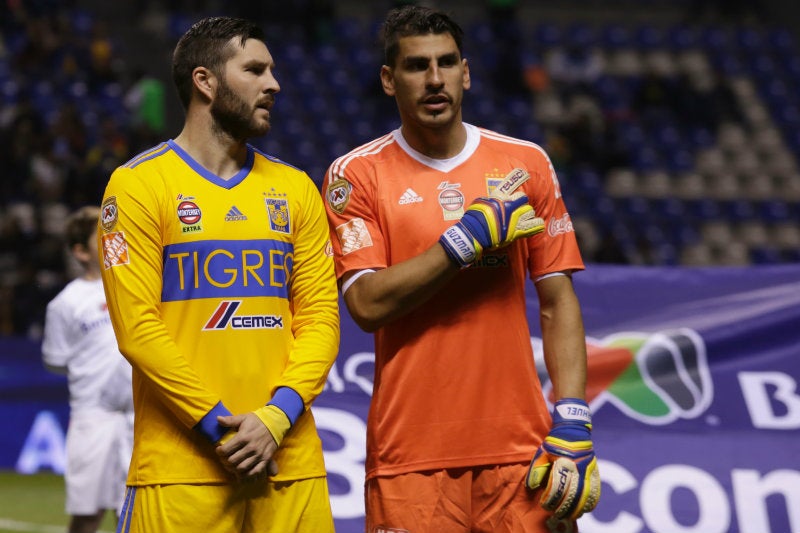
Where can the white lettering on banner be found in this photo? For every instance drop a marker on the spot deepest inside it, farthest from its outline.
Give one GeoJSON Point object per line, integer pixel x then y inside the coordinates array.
{"type": "Point", "coordinates": [661, 483]}
{"type": "Point", "coordinates": [748, 487]}
{"type": "Point", "coordinates": [614, 477]}
{"type": "Point", "coordinates": [44, 446]}
{"type": "Point", "coordinates": [756, 387]}
{"type": "Point", "coordinates": [750, 493]}
{"type": "Point", "coordinates": [348, 461]}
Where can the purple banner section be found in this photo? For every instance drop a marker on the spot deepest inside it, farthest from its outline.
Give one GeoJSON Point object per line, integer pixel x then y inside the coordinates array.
{"type": "Point", "coordinates": [693, 385]}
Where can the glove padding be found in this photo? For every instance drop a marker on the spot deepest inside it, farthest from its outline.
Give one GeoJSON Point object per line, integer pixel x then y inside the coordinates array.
{"type": "Point", "coordinates": [492, 222]}
{"type": "Point", "coordinates": [566, 460]}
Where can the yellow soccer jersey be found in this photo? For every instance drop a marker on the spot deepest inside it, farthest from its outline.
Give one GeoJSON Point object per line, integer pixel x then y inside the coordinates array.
{"type": "Point", "coordinates": [220, 292]}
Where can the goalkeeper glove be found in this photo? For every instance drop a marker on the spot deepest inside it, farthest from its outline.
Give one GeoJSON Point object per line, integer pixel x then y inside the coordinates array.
{"type": "Point", "coordinates": [566, 461]}
{"type": "Point", "coordinates": [491, 222]}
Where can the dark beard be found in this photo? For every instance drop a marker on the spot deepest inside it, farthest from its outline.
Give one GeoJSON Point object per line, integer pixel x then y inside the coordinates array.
{"type": "Point", "coordinates": [233, 116]}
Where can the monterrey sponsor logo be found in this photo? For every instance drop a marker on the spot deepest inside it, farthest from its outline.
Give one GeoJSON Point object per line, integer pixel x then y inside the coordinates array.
{"type": "Point", "coordinates": [225, 316]}
{"type": "Point", "coordinates": [655, 378]}
{"type": "Point", "coordinates": [451, 199]}
{"type": "Point", "coordinates": [109, 213]}
{"type": "Point", "coordinates": [189, 213]}
{"type": "Point", "coordinates": [452, 202]}
{"type": "Point", "coordinates": [557, 226]}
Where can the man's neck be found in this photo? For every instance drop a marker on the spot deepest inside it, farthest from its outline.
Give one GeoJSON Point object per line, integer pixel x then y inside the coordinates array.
{"type": "Point", "coordinates": [220, 154]}
{"type": "Point", "coordinates": [440, 143]}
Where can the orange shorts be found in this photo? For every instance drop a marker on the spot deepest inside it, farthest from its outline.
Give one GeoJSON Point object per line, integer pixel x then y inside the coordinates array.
{"type": "Point", "coordinates": [491, 499]}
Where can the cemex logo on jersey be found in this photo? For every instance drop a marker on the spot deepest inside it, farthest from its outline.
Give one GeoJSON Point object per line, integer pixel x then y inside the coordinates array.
{"type": "Point", "coordinates": [655, 378]}
{"type": "Point", "coordinates": [225, 315]}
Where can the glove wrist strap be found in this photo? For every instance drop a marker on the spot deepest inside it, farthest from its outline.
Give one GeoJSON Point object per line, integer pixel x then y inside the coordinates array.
{"type": "Point", "coordinates": [458, 245]}
{"type": "Point", "coordinates": [572, 410]}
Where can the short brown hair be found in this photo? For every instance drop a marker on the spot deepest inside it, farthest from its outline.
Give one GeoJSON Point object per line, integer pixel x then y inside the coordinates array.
{"type": "Point", "coordinates": [205, 44]}
{"type": "Point", "coordinates": [81, 224]}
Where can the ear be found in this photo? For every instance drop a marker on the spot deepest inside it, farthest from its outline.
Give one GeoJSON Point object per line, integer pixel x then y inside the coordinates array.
{"type": "Point", "coordinates": [205, 82]}
{"type": "Point", "coordinates": [466, 81]}
{"type": "Point", "coordinates": [387, 80]}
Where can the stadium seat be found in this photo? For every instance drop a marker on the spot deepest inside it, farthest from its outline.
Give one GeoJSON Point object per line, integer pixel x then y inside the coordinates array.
{"type": "Point", "coordinates": [696, 255]}
{"type": "Point", "coordinates": [733, 253]}
{"type": "Point", "coordinates": [786, 235]}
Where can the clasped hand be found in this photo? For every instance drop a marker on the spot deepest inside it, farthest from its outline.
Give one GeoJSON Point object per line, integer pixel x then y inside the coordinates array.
{"type": "Point", "coordinates": [247, 451]}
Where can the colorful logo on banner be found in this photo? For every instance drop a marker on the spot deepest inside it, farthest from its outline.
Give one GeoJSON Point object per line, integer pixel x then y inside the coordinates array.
{"type": "Point", "coordinates": [655, 378]}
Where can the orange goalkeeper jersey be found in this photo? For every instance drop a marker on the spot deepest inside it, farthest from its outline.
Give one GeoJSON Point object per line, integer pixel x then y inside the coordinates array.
{"type": "Point", "coordinates": [219, 291]}
{"type": "Point", "coordinates": [455, 380]}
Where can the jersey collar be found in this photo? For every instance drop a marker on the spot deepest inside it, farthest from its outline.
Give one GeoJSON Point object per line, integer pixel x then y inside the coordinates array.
{"type": "Point", "coordinates": [210, 176]}
{"type": "Point", "coordinates": [443, 165]}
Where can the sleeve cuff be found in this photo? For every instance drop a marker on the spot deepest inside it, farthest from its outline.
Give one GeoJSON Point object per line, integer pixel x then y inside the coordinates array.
{"type": "Point", "coordinates": [572, 410]}
{"type": "Point", "coordinates": [288, 401]}
{"type": "Point", "coordinates": [208, 426]}
{"type": "Point", "coordinates": [276, 421]}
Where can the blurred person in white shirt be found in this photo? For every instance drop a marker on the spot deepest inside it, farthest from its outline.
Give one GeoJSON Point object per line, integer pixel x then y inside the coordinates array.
{"type": "Point", "coordinates": [79, 341]}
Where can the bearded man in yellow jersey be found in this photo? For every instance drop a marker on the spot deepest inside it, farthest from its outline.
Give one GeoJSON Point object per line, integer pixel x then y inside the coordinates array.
{"type": "Point", "coordinates": [436, 227]}
{"type": "Point", "coordinates": [221, 290]}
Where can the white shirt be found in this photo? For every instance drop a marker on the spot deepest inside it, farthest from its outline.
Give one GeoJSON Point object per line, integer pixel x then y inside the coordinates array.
{"type": "Point", "coordinates": [79, 341]}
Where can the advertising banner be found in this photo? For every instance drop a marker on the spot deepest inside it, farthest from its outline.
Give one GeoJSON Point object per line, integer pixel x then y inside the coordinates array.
{"type": "Point", "coordinates": [693, 385]}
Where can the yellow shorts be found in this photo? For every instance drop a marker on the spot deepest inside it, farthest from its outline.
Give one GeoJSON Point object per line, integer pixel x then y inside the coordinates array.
{"type": "Point", "coordinates": [459, 500]}
{"type": "Point", "coordinates": [261, 506]}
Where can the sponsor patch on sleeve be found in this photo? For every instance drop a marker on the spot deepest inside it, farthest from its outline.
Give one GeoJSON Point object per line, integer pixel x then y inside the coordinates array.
{"type": "Point", "coordinates": [558, 226]}
{"type": "Point", "coordinates": [338, 195]}
{"type": "Point", "coordinates": [109, 213]}
{"type": "Point", "coordinates": [353, 235]}
{"type": "Point", "coordinates": [115, 250]}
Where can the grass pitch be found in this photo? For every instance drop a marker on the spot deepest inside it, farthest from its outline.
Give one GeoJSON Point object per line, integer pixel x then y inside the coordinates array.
{"type": "Point", "coordinates": [35, 504]}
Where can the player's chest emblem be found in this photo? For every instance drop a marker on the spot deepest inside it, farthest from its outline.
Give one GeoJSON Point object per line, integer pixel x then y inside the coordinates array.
{"type": "Point", "coordinates": [278, 210]}
{"type": "Point", "coordinates": [451, 200]}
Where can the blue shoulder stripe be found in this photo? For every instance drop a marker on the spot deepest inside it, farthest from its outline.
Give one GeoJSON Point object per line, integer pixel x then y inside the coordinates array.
{"type": "Point", "coordinates": [147, 155]}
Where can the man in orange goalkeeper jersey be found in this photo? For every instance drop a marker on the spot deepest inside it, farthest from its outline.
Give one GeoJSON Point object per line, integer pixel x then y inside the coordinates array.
{"type": "Point", "coordinates": [435, 227]}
